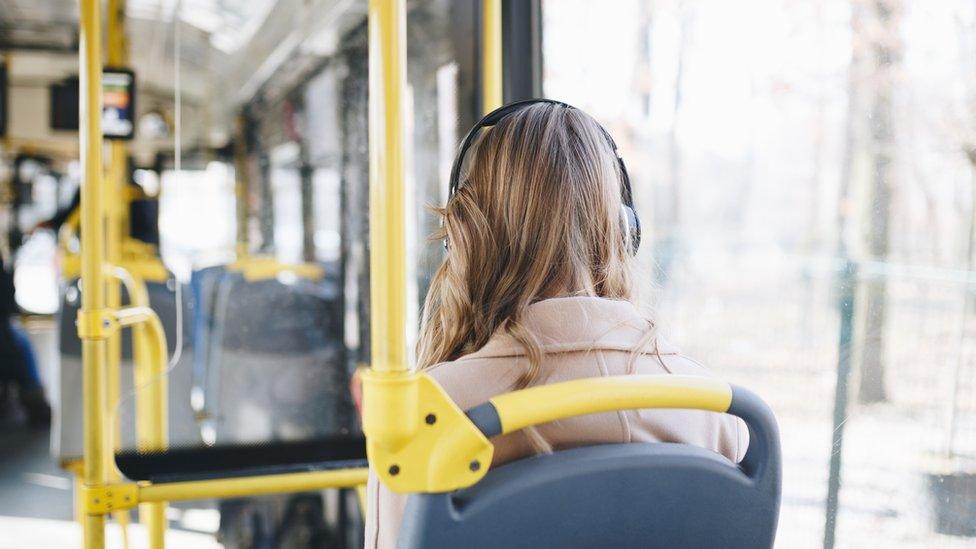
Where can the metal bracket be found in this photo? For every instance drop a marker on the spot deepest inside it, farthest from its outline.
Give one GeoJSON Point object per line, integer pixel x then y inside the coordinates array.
{"type": "Point", "coordinates": [417, 439]}
{"type": "Point", "coordinates": [101, 500]}
{"type": "Point", "coordinates": [96, 323]}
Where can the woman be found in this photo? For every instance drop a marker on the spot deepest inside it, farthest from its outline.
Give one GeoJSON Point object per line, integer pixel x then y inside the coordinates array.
{"type": "Point", "coordinates": [537, 288]}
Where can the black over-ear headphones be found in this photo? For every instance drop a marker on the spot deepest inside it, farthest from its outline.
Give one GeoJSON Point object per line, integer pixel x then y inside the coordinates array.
{"type": "Point", "coordinates": [633, 226]}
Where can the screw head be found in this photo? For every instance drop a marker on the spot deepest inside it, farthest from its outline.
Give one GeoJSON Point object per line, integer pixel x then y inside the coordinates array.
{"type": "Point", "coordinates": [430, 419]}
{"type": "Point", "coordinates": [474, 466]}
{"type": "Point", "coordinates": [394, 470]}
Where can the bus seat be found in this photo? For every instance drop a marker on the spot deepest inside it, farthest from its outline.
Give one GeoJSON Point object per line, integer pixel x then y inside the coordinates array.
{"type": "Point", "coordinates": [66, 432]}
{"type": "Point", "coordinates": [616, 495]}
{"type": "Point", "coordinates": [276, 369]}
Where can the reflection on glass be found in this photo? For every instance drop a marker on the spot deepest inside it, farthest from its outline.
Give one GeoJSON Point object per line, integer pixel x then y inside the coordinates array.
{"type": "Point", "coordinates": [770, 143]}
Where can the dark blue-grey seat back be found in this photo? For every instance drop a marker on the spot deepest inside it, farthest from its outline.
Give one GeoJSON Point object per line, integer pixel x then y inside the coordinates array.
{"type": "Point", "coordinates": [618, 495]}
{"type": "Point", "coordinates": [276, 367]}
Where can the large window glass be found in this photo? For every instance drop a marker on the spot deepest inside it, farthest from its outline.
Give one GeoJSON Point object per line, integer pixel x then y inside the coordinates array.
{"type": "Point", "coordinates": [805, 175]}
{"type": "Point", "coordinates": [196, 222]}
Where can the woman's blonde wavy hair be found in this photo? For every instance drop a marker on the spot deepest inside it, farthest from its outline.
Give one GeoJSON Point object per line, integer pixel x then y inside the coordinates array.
{"type": "Point", "coordinates": [537, 215]}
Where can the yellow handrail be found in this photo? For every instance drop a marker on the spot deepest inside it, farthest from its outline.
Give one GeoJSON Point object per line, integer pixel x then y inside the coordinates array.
{"type": "Point", "coordinates": [546, 403]}
{"type": "Point", "coordinates": [491, 56]}
{"type": "Point", "coordinates": [263, 267]}
{"type": "Point", "coordinates": [388, 62]}
{"type": "Point", "coordinates": [138, 294]}
{"type": "Point", "coordinates": [241, 187]}
{"type": "Point", "coordinates": [99, 320]}
{"type": "Point", "coordinates": [253, 486]}
{"type": "Point", "coordinates": [150, 357]}
{"type": "Point", "coordinates": [149, 342]}
{"type": "Point", "coordinates": [448, 452]}
{"type": "Point", "coordinates": [126, 496]}
{"type": "Point", "coordinates": [417, 439]}
{"type": "Point", "coordinates": [116, 225]}
{"type": "Point", "coordinates": [93, 322]}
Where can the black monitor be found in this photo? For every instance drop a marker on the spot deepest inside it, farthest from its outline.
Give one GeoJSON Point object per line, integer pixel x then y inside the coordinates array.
{"type": "Point", "coordinates": [3, 99]}
{"type": "Point", "coordinates": [64, 104]}
{"type": "Point", "coordinates": [118, 103]}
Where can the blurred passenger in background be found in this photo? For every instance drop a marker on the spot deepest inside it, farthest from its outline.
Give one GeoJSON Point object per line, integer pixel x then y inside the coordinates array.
{"type": "Point", "coordinates": [61, 216]}
{"type": "Point", "coordinates": [18, 365]}
{"type": "Point", "coordinates": [143, 214]}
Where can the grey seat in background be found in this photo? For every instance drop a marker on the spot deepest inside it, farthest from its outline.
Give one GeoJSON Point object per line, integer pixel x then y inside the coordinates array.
{"type": "Point", "coordinates": [276, 366]}
{"type": "Point", "coordinates": [66, 432]}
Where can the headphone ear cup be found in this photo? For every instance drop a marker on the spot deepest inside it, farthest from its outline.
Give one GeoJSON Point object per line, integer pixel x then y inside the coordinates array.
{"type": "Point", "coordinates": [632, 229]}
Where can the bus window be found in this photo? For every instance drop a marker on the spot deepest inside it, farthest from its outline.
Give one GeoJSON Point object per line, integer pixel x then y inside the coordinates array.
{"type": "Point", "coordinates": [196, 220]}
{"type": "Point", "coordinates": [799, 191]}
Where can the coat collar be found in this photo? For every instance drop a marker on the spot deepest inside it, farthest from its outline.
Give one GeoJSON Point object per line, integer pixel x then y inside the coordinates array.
{"type": "Point", "coordinates": [567, 324]}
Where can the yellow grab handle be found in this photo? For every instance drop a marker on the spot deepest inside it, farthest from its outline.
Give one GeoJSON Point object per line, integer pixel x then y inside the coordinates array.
{"type": "Point", "coordinates": [546, 403]}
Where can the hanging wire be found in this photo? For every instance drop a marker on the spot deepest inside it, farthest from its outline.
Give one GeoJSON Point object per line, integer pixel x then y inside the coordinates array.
{"type": "Point", "coordinates": [178, 171]}
{"type": "Point", "coordinates": [178, 289]}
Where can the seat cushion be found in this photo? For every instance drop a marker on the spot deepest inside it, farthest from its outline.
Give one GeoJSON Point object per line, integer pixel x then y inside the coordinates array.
{"type": "Point", "coordinates": [619, 495]}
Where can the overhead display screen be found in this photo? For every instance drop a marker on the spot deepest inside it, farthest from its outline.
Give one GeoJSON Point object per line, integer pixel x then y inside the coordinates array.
{"type": "Point", "coordinates": [118, 103]}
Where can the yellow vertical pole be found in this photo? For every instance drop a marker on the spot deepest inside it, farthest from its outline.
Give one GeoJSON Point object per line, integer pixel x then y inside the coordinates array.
{"type": "Point", "coordinates": [113, 239]}
{"type": "Point", "coordinates": [115, 230]}
{"type": "Point", "coordinates": [5, 139]}
{"type": "Point", "coordinates": [241, 186]}
{"type": "Point", "coordinates": [92, 259]}
{"type": "Point", "coordinates": [388, 62]}
{"type": "Point", "coordinates": [491, 55]}
{"type": "Point", "coordinates": [151, 405]}
{"type": "Point", "coordinates": [118, 207]}
{"type": "Point", "coordinates": [115, 35]}
{"type": "Point", "coordinates": [150, 354]}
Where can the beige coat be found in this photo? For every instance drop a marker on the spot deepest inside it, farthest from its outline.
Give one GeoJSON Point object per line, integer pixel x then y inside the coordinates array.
{"type": "Point", "coordinates": [582, 337]}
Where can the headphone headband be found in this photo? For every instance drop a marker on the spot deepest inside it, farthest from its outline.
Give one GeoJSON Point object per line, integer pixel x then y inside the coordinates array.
{"type": "Point", "coordinates": [495, 116]}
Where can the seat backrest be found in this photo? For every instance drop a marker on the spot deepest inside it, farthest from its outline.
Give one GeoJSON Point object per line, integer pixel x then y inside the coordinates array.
{"type": "Point", "coordinates": [618, 495]}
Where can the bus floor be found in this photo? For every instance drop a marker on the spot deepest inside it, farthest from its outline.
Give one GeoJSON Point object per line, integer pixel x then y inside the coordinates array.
{"type": "Point", "coordinates": [36, 501]}
{"type": "Point", "coordinates": [36, 494]}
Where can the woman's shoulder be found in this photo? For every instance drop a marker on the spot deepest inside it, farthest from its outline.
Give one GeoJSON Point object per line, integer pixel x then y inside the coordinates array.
{"type": "Point", "coordinates": [673, 360]}
{"type": "Point", "coordinates": [472, 381]}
